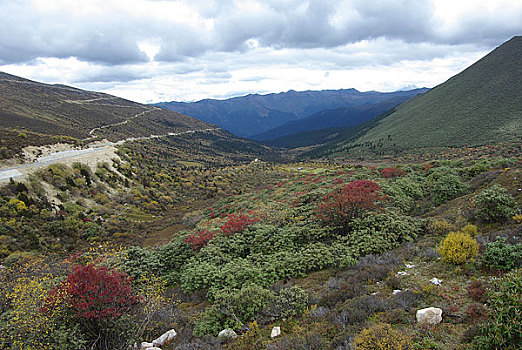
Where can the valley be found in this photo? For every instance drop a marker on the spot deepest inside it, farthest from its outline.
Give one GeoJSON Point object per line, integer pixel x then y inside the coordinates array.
{"type": "Point", "coordinates": [395, 229]}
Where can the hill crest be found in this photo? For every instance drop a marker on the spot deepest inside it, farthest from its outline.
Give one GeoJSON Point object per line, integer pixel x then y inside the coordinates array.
{"type": "Point", "coordinates": [479, 106]}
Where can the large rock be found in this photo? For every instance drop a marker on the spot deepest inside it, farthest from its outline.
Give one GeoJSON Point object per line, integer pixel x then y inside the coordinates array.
{"type": "Point", "coordinates": [276, 332]}
{"type": "Point", "coordinates": [145, 345]}
{"type": "Point", "coordinates": [429, 316]}
{"type": "Point", "coordinates": [165, 338]}
{"type": "Point", "coordinates": [227, 333]}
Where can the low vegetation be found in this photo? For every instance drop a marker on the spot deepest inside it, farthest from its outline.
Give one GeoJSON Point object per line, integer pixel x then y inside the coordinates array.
{"type": "Point", "coordinates": [337, 255]}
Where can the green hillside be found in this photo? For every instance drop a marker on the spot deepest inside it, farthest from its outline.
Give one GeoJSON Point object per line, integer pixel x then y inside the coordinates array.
{"type": "Point", "coordinates": [44, 109]}
{"type": "Point", "coordinates": [478, 106]}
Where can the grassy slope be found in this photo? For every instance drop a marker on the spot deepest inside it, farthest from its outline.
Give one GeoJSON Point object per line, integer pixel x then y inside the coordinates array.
{"type": "Point", "coordinates": [480, 105]}
{"type": "Point", "coordinates": [63, 110]}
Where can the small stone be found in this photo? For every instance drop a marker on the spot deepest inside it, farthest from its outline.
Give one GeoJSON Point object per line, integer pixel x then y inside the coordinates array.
{"type": "Point", "coordinates": [436, 281]}
{"type": "Point", "coordinates": [410, 266]}
{"type": "Point", "coordinates": [401, 273]}
{"type": "Point", "coordinates": [276, 332]}
{"type": "Point", "coordinates": [429, 316]}
{"type": "Point", "coordinates": [396, 291]}
{"type": "Point", "coordinates": [227, 333]}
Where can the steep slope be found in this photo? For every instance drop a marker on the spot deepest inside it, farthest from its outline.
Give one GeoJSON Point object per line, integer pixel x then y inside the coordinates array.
{"type": "Point", "coordinates": [63, 110]}
{"type": "Point", "coordinates": [479, 106]}
{"type": "Point", "coordinates": [254, 114]}
{"type": "Point", "coordinates": [338, 118]}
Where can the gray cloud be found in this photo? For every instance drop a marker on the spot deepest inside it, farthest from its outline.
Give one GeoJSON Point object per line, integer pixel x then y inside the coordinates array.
{"type": "Point", "coordinates": [26, 34]}
{"type": "Point", "coordinates": [113, 37]}
{"type": "Point", "coordinates": [209, 43]}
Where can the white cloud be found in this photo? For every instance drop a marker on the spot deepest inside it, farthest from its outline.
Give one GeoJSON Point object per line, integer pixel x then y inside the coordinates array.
{"type": "Point", "coordinates": [184, 50]}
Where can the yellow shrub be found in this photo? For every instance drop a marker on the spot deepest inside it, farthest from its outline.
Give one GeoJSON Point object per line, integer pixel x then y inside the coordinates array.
{"type": "Point", "coordinates": [27, 327]}
{"type": "Point", "coordinates": [517, 218]}
{"type": "Point", "coordinates": [382, 337]}
{"type": "Point", "coordinates": [439, 227]}
{"type": "Point", "coordinates": [470, 230]}
{"type": "Point", "coordinates": [458, 248]}
{"type": "Point", "coordinates": [17, 204]}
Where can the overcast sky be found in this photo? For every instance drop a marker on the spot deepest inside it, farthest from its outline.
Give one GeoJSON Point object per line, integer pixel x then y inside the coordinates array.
{"type": "Point", "coordinates": [150, 51]}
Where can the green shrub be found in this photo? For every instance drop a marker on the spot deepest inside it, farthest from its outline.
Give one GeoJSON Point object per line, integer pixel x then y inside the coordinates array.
{"type": "Point", "coordinates": [458, 248]}
{"type": "Point", "coordinates": [377, 233]}
{"type": "Point", "coordinates": [198, 275]}
{"type": "Point", "coordinates": [173, 255]}
{"type": "Point", "coordinates": [476, 168]}
{"type": "Point", "coordinates": [290, 302]}
{"type": "Point", "coordinates": [504, 328]}
{"type": "Point", "coordinates": [443, 185]}
{"type": "Point", "coordinates": [233, 308]}
{"type": "Point", "coordinates": [140, 261]}
{"type": "Point", "coordinates": [495, 204]}
{"type": "Point", "coordinates": [382, 337]}
{"type": "Point", "coordinates": [501, 255]}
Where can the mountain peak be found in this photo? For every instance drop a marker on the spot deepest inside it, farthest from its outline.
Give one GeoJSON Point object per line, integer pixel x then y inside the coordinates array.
{"type": "Point", "coordinates": [479, 106]}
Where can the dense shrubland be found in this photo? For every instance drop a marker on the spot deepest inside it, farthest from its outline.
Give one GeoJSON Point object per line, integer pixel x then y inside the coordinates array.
{"type": "Point", "coordinates": [317, 249]}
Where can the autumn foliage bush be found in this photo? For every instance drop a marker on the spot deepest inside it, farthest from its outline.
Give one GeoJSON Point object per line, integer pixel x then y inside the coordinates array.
{"type": "Point", "coordinates": [342, 205]}
{"type": "Point", "coordinates": [476, 291]}
{"type": "Point", "coordinates": [199, 239]}
{"type": "Point", "coordinates": [236, 223]}
{"type": "Point", "coordinates": [94, 293]}
{"type": "Point", "coordinates": [392, 172]}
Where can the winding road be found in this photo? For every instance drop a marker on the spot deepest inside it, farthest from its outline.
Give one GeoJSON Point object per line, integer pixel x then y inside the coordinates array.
{"type": "Point", "coordinates": [93, 150]}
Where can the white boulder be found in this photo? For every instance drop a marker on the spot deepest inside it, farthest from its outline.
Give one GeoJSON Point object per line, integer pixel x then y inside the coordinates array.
{"type": "Point", "coordinates": [429, 316]}
{"type": "Point", "coordinates": [276, 332]}
{"type": "Point", "coordinates": [165, 338]}
{"type": "Point", "coordinates": [227, 333]}
{"type": "Point", "coordinates": [145, 345]}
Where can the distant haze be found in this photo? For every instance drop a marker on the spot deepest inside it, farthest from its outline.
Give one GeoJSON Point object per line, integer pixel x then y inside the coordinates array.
{"type": "Point", "coordinates": [151, 51]}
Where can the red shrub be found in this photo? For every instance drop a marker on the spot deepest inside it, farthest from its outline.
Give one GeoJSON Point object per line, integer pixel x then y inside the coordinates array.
{"type": "Point", "coordinates": [199, 239]}
{"type": "Point", "coordinates": [338, 181]}
{"type": "Point", "coordinates": [476, 312]}
{"type": "Point", "coordinates": [236, 223]}
{"type": "Point", "coordinates": [476, 291]}
{"type": "Point", "coordinates": [94, 293]}
{"type": "Point", "coordinates": [392, 172]}
{"type": "Point", "coordinates": [348, 202]}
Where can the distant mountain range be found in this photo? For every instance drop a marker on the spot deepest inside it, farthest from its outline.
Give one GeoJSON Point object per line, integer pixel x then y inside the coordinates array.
{"type": "Point", "coordinates": [253, 115]}
{"type": "Point", "coordinates": [337, 118]}
{"type": "Point", "coordinates": [482, 105]}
